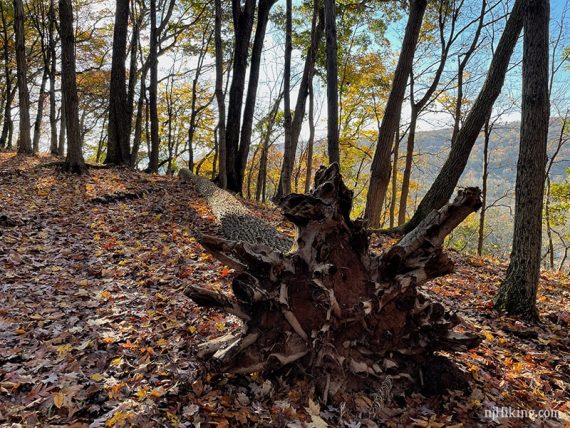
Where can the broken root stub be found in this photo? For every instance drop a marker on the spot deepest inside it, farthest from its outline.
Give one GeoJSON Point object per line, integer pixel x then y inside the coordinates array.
{"type": "Point", "coordinates": [347, 317]}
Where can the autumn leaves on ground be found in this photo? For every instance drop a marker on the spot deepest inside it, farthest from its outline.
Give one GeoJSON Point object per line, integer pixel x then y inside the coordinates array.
{"type": "Point", "coordinates": [95, 329]}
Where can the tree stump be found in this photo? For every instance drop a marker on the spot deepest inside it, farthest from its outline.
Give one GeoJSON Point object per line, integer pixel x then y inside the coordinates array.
{"type": "Point", "coordinates": [346, 317]}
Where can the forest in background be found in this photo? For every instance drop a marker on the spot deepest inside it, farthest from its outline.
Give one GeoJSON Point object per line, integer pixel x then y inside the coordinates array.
{"type": "Point", "coordinates": [254, 200]}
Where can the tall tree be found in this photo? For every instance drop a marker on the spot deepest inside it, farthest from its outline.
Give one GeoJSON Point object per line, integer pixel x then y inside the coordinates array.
{"type": "Point", "coordinates": [7, 123]}
{"type": "Point", "coordinates": [317, 28]}
{"type": "Point", "coordinates": [243, 17]}
{"type": "Point", "coordinates": [380, 170]}
{"type": "Point", "coordinates": [445, 182]}
{"type": "Point", "coordinates": [52, 75]}
{"type": "Point", "coordinates": [219, 91]}
{"type": "Point", "coordinates": [289, 157]}
{"type": "Point", "coordinates": [517, 294]}
{"type": "Point", "coordinates": [251, 97]}
{"type": "Point", "coordinates": [447, 17]}
{"type": "Point", "coordinates": [118, 150]}
{"type": "Point", "coordinates": [155, 32]}
{"type": "Point", "coordinates": [25, 143]}
{"type": "Point", "coordinates": [332, 82]}
{"type": "Point", "coordinates": [74, 160]}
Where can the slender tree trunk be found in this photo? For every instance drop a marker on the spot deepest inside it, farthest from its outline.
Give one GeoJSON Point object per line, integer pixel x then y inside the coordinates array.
{"type": "Point", "coordinates": [407, 175]}
{"type": "Point", "coordinates": [220, 94]}
{"type": "Point", "coordinates": [135, 39]}
{"type": "Point", "coordinates": [243, 18]}
{"type": "Point", "coordinates": [483, 212]}
{"type": "Point", "coordinates": [251, 97]}
{"type": "Point", "coordinates": [380, 170]}
{"type": "Point", "coordinates": [449, 175]}
{"type": "Point", "coordinates": [40, 111]}
{"type": "Point", "coordinates": [289, 155]}
{"type": "Point", "coordinates": [25, 143]}
{"type": "Point", "coordinates": [52, 72]}
{"type": "Point", "coordinates": [311, 142]}
{"type": "Point", "coordinates": [138, 122]}
{"type": "Point", "coordinates": [394, 195]}
{"type": "Point", "coordinates": [517, 294]}
{"type": "Point", "coordinates": [118, 150]}
{"type": "Point", "coordinates": [74, 160]}
{"type": "Point", "coordinates": [153, 87]}
{"type": "Point", "coordinates": [332, 82]}
{"type": "Point", "coordinates": [62, 129]}
{"type": "Point", "coordinates": [7, 124]}
{"type": "Point", "coordinates": [548, 222]}
{"type": "Point", "coordinates": [290, 150]}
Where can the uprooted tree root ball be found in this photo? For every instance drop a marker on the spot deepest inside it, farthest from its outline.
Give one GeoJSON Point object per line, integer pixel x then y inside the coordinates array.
{"type": "Point", "coordinates": [329, 308]}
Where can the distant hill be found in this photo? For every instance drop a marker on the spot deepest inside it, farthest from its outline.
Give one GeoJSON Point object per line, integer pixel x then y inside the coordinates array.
{"type": "Point", "coordinates": [433, 146]}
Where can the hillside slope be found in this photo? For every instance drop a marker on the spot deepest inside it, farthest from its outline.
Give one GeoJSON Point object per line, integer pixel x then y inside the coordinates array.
{"type": "Point", "coordinates": [95, 329]}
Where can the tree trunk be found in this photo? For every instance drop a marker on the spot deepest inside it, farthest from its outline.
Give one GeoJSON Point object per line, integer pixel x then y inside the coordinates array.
{"type": "Point", "coordinates": [243, 23]}
{"type": "Point", "coordinates": [394, 196]}
{"type": "Point", "coordinates": [290, 150]}
{"type": "Point", "coordinates": [289, 155]}
{"type": "Point", "coordinates": [222, 157]}
{"type": "Point", "coordinates": [52, 74]}
{"type": "Point", "coordinates": [25, 143]}
{"type": "Point", "coordinates": [481, 237]}
{"type": "Point", "coordinates": [407, 175]}
{"type": "Point", "coordinates": [311, 142]}
{"type": "Point", "coordinates": [380, 169]}
{"type": "Point", "coordinates": [7, 124]}
{"type": "Point", "coordinates": [74, 160]}
{"type": "Point", "coordinates": [332, 82]}
{"type": "Point", "coordinates": [517, 294]}
{"type": "Point", "coordinates": [118, 150]}
{"type": "Point", "coordinates": [350, 319]}
{"type": "Point", "coordinates": [40, 111]}
{"type": "Point", "coordinates": [251, 97]}
{"type": "Point", "coordinates": [153, 88]}
{"type": "Point", "coordinates": [62, 129]}
{"type": "Point", "coordinates": [444, 184]}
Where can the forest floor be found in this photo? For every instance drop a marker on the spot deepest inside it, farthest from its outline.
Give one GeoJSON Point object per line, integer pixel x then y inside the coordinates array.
{"type": "Point", "coordinates": [96, 331]}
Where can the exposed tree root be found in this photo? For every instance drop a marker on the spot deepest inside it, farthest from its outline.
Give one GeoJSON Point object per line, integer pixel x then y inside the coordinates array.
{"type": "Point", "coordinates": [349, 318]}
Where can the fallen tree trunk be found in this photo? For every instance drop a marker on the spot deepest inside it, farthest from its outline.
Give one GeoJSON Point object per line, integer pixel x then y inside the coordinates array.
{"type": "Point", "coordinates": [237, 222]}
{"type": "Point", "coordinates": [348, 318]}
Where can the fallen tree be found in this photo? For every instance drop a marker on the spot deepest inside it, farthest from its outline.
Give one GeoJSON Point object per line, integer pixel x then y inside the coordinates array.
{"type": "Point", "coordinates": [344, 316]}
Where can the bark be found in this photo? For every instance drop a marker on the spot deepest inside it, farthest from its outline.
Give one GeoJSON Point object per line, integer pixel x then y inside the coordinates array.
{"type": "Point", "coordinates": [24, 140]}
{"type": "Point", "coordinates": [332, 82]}
{"type": "Point", "coordinates": [449, 175]}
{"type": "Point", "coordinates": [380, 169]}
{"type": "Point", "coordinates": [134, 43]}
{"type": "Point", "coordinates": [317, 27]}
{"type": "Point", "coordinates": [74, 160]}
{"type": "Point", "coordinates": [219, 91]}
{"type": "Point", "coordinates": [118, 150]}
{"type": "Point", "coordinates": [138, 122]}
{"type": "Point", "coordinates": [152, 91]}
{"type": "Point", "coordinates": [251, 97]}
{"type": "Point", "coordinates": [243, 24]}
{"type": "Point", "coordinates": [394, 196]}
{"type": "Point", "coordinates": [40, 110]}
{"type": "Point", "coordinates": [481, 234]}
{"type": "Point", "coordinates": [62, 128]}
{"type": "Point", "coordinates": [517, 294]}
{"type": "Point", "coordinates": [52, 74]}
{"type": "Point", "coordinates": [332, 310]}
{"type": "Point", "coordinates": [289, 155]}
{"type": "Point", "coordinates": [311, 142]}
{"type": "Point", "coordinates": [7, 124]}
